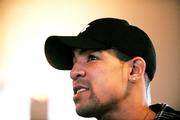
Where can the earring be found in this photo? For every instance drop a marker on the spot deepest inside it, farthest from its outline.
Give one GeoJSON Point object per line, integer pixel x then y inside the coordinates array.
{"type": "Point", "coordinates": [133, 78]}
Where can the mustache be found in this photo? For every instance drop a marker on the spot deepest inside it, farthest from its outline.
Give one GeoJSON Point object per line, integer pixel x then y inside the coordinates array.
{"type": "Point", "coordinates": [80, 80]}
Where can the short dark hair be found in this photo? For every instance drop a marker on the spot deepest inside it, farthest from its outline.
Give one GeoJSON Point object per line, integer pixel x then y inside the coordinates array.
{"type": "Point", "coordinates": [121, 55]}
{"type": "Point", "coordinates": [124, 57]}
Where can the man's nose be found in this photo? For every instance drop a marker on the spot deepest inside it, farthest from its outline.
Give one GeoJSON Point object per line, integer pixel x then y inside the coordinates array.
{"type": "Point", "coordinates": [77, 71]}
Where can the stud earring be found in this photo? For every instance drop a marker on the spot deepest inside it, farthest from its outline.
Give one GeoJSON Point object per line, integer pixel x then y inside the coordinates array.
{"type": "Point", "coordinates": [133, 78]}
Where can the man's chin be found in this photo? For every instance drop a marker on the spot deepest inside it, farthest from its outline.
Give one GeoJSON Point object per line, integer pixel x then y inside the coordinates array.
{"type": "Point", "coordinates": [83, 114]}
{"type": "Point", "coordinates": [91, 112]}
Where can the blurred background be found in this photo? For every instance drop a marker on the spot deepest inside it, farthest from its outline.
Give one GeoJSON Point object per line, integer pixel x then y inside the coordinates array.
{"type": "Point", "coordinates": [30, 89]}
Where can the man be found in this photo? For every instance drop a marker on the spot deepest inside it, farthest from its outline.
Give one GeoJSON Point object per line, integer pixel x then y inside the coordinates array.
{"type": "Point", "coordinates": [111, 63]}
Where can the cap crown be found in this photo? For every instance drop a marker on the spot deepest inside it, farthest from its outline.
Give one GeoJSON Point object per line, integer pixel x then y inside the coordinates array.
{"type": "Point", "coordinates": [119, 34]}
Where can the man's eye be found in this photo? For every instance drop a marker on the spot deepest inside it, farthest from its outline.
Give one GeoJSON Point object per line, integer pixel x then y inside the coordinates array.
{"type": "Point", "coordinates": [91, 58]}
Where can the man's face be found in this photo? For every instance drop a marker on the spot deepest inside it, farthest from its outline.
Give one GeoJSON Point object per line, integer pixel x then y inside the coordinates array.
{"type": "Point", "coordinates": [99, 81]}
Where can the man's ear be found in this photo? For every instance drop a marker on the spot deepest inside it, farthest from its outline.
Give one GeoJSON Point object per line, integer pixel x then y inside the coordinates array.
{"type": "Point", "coordinates": [137, 68]}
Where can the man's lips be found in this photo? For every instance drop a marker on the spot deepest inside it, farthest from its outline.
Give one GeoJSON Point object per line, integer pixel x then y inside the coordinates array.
{"type": "Point", "coordinates": [79, 89]}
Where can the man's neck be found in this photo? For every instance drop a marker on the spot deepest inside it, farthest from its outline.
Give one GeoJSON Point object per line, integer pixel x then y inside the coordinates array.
{"type": "Point", "coordinates": [143, 113]}
{"type": "Point", "coordinates": [134, 107]}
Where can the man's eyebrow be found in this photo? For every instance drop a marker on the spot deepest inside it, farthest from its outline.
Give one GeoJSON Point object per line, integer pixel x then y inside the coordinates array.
{"type": "Point", "coordinates": [82, 51]}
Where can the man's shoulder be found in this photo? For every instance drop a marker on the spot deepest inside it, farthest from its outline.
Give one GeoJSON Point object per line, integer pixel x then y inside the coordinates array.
{"type": "Point", "coordinates": [165, 112]}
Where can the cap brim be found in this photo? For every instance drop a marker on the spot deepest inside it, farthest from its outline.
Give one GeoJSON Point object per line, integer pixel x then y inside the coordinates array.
{"type": "Point", "coordinates": [59, 49]}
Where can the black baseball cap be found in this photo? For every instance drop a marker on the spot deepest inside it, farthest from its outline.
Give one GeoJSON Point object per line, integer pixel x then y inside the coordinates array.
{"type": "Point", "coordinates": [104, 33]}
